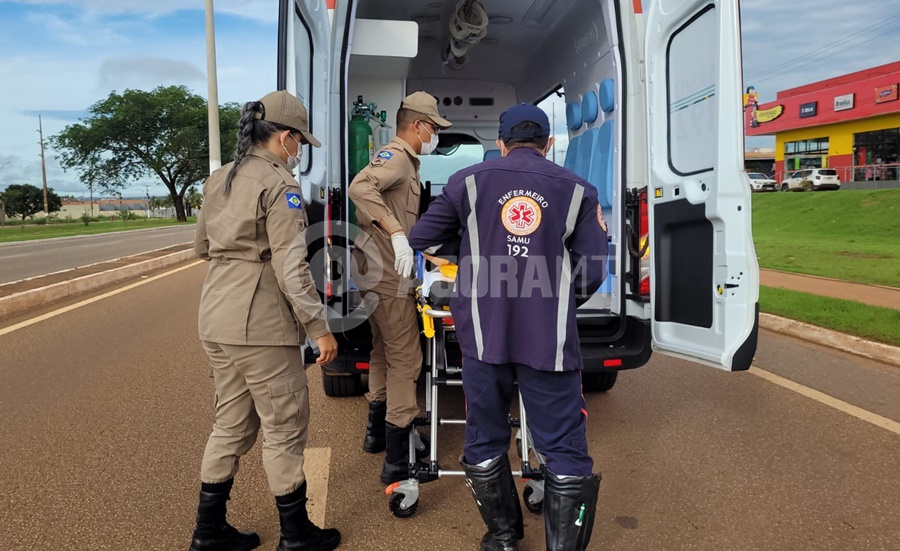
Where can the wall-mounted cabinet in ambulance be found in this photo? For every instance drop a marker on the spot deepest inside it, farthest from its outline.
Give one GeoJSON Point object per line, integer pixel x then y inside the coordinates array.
{"type": "Point", "coordinates": [653, 121]}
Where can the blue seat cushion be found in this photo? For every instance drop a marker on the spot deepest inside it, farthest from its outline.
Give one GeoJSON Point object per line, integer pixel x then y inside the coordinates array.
{"type": "Point", "coordinates": [573, 115]}
{"type": "Point", "coordinates": [586, 154]}
{"type": "Point", "coordinates": [572, 153]}
{"type": "Point", "coordinates": [608, 95]}
{"type": "Point", "coordinates": [601, 169]}
{"type": "Point", "coordinates": [492, 154]}
{"type": "Point", "coordinates": [589, 107]}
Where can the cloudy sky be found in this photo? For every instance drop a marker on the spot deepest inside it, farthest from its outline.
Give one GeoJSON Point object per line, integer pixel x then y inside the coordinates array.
{"type": "Point", "coordinates": [57, 57]}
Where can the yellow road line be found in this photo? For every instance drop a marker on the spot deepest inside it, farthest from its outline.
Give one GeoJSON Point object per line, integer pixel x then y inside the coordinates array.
{"type": "Point", "coordinates": [316, 465]}
{"type": "Point", "coordinates": [829, 401]}
{"type": "Point", "coordinates": [61, 311]}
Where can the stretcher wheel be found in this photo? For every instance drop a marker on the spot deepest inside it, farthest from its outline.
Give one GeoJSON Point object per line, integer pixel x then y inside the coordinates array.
{"type": "Point", "coordinates": [536, 508]}
{"type": "Point", "coordinates": [396, 508]}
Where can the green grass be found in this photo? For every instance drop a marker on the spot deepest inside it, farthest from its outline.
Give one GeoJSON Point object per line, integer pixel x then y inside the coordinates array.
{"type": "Point", "coordinates": [31, 232]}
{"type": "Point", "coordinates": [850, 235]}
{"type": "Point", "coordinates": [847, 316]}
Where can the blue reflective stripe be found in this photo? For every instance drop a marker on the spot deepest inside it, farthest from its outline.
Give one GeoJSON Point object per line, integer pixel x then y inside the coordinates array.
{"type": "Point", "coordinates": [472, 222]}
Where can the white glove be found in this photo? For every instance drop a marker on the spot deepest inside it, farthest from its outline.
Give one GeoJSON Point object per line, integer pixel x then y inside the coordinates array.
{"type": "Point", "coordinates": [404, 257]}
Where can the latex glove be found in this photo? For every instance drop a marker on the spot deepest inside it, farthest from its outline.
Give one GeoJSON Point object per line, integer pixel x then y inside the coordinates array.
{"type": "Point", "coordinates": [404, 257]}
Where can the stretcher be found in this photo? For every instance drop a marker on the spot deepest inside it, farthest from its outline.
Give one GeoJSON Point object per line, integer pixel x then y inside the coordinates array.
{"type": "Point", "coordinates": [443, 362]}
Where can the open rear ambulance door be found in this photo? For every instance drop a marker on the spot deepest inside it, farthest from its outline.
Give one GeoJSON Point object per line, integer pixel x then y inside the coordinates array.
{"type": "Point", "coordinates": [704, 278]}
{"type": "Point", "coordinates": [304, 53]}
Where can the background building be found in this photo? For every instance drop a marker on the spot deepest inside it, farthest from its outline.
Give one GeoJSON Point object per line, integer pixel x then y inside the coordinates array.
{"type": "Point", "coordinates": [850, 123]}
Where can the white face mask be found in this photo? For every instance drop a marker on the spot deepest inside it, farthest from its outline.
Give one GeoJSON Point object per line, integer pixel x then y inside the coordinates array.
{"type": "Point", "coordinates": [432, 144]}
{"type": "Point", "coordinates": [292, 161]}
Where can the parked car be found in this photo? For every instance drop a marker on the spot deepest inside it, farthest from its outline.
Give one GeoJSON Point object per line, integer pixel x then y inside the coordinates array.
{"type": "Point", "coordinates": [812, 179]}
{"type": "Point", "coordinates": [761, 182]}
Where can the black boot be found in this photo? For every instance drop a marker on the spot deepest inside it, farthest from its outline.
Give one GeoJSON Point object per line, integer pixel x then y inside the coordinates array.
{"type": "Point", "coordinates": [570, 504]}
{"type": "Point", "coordinates": [396, 458]}
{"type": "Point", "coordinates": [298, 533]}
{"type": "Point", "coordinates": [498, 502]}
{"type": "Point", "coordinates": [375, 439]}
{"type": "Point", "coordinates": [213, 533]}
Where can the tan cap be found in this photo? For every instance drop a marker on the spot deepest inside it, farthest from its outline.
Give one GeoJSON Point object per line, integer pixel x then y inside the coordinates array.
{"type": "Point", "coordinates": [285, 109]}
{"type": "Point", "coordinates": [426, 104]}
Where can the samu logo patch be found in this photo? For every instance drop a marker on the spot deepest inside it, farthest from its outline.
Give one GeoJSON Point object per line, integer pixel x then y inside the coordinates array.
{"type": "Point", "coordinates": [294, 201]}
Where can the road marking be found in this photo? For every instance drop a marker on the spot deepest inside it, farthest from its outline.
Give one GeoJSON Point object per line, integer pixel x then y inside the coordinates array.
{"type": "Point", "coordinates": [316, 466]}
{"type": "Point", "coordinates": [849, 409]}
{"type": "Point", "coordinates": [61, 311]}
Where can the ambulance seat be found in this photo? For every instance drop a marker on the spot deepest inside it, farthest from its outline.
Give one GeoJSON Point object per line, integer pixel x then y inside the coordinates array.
{"type": "Point", "coordinates": [492, 154]}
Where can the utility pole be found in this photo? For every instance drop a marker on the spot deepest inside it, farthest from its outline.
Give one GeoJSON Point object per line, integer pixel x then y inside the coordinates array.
{"type": "Point", "coordinates": [553, 131]}
{"type": "Point", "coordinates": [43, 165]}
{"type": "Point", "coordinates": [215, 147]}
{"type": "Point", "coordinates": [148, 201]}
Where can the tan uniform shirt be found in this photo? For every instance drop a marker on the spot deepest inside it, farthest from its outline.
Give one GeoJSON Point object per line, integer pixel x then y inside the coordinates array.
{"type": "Point", "coordinates": [258, 285]}
{"type": "Point", "coordinates": [386, 194]}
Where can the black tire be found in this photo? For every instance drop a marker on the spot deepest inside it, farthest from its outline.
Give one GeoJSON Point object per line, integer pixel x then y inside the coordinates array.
{"type": "Point", "coordinates": [536, 508]}
{"type": "Point", "coordinates": [784, 187]}
{"type": "Point", "coordinates": [399, 512]}
{"type": "Point", "coordinates": [342, 386]}
{"type": "Point", "coordinates": [601, 381]}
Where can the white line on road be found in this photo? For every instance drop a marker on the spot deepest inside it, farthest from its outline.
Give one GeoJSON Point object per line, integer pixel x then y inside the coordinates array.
{"type": "Point", "coordinates": [829, 401]}
{"type": "Point", "coordinates": [53, 314]}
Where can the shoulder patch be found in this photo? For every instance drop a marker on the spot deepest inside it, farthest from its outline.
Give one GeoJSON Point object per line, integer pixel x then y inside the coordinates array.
{"type": "Point", "coordinates": [600, 218]}
{"type": "Point", "coordinates": [294, 201]}
{"type": "Point", "coordinates": [384, 155]}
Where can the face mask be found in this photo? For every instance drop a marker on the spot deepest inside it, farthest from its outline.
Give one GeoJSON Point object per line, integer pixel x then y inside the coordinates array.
{"type": "Point", "coordinates": [432, 144]}
{"type": "Point", "coordinates": [292, 161]}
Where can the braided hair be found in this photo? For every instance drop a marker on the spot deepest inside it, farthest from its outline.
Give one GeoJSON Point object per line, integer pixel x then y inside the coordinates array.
{"type": "Point", "coordinates": [251, 131]}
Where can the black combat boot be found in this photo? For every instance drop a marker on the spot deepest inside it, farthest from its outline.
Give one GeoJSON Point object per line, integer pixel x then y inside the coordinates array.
{"type": "Point", "coordinates": [570, 504]}
{"type": "Point", "coordinates": [298, 533]}
{"type": "Point", "coordinates": [396, 458]}
{"type": "Point", "coordinates": [213, 533]}
{"type": "Point", "coordinates": [375, 439]}
{"type": "Point", "coordinates": [498, 502]}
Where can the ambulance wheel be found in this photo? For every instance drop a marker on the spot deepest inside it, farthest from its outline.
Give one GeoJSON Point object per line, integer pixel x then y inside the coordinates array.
{"type": "Point", "coordinates": [536, 508]}
{"type": "Point", "coordinates": [600, 381]}
{"type": "Point", "coordinates": [342, 386]}
{"type": "Point", "coordinates": [397, 509]}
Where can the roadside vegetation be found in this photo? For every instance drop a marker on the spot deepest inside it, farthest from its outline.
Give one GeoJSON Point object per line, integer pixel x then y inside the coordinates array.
{"type": "Point", "coordinates": [849, 235]}
{"type": "Point", "coordinates": [846, 316]}
{"type": "Point", "coordinates": [44, 229]}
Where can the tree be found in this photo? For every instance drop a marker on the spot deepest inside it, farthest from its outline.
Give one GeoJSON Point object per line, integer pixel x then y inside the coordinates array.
{"type": "Point", "coordinates": [194, 198]}
{"type": "Point", "coordinates": [27, 200]}
{"type": "Point", "coordinates": [130, 136]}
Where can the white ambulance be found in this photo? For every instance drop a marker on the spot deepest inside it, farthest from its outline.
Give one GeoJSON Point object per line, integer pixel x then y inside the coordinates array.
{"type": "Point", "coordinates": [653, 117]}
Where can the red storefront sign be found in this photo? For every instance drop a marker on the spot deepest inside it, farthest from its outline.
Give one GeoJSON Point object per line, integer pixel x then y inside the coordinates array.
{"type": "Point", "coordinates": [884, 94]}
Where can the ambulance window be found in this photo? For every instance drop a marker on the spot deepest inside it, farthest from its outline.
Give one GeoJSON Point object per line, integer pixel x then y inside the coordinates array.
{"type": "Point", "coordinates": [692, 72]}
{"type": "Point", "coordinates": [555, 107]}
{"type": "Point", "coordinates": [303, 53]}
{"type": "Point", "coordinates": [439, 166]}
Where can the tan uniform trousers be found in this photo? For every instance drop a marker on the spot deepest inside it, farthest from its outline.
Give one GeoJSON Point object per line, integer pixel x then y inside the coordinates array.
{"type": "Point", "coordinates": [258, 386]}
{"type": "Point", "coordinates": [396, 359]}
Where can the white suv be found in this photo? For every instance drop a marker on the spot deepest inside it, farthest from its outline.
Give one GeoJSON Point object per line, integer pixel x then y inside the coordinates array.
{"type": "Point", "coordinates": [812, 179]}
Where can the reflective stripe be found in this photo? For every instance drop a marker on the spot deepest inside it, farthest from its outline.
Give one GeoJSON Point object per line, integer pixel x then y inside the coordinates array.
{"type": "Point", "coordinates": [472, 223]}
{"type": "Point", "coordinates": [565, 279]}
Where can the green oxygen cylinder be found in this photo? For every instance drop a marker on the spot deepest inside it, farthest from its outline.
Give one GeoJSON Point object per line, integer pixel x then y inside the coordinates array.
{"type": "Point", "coordinates": [360, 144]}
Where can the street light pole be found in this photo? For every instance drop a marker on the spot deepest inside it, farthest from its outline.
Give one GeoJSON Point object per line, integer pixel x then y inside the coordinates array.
{"type": "Point", "coordinates": [43, 165]}
{"type": "Point", "coordinates": [215, 147]}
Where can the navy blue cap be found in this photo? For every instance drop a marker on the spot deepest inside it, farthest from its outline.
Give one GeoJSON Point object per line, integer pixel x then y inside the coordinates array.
{"type": "Point", "coordinates": [524, 112]}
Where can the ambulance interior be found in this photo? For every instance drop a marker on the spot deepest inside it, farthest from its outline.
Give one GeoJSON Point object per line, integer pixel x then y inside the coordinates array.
{"type": "Point", "coordinates": [524, 51]}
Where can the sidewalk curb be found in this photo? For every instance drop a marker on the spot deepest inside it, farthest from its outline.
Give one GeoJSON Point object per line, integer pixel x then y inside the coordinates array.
{"type": "Point", "coordinates": [831, 280]}
{"type": "Point", "coordinates": [876, 351]}
{"type": "Point", "coordinates": [21, 302]}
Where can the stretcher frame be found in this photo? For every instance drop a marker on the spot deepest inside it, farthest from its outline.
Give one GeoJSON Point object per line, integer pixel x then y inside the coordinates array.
{"type": "Point", "coordinates": [404, 495]}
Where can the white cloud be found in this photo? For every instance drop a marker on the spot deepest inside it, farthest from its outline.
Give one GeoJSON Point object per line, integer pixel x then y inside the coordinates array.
{"type": "Point", "coordinates": [261, 10]}
{"type": "Point", "coordinates": [146, 73]}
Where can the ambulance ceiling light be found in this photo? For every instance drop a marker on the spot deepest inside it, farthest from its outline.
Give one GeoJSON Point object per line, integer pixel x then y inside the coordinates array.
{"type": "Point", "coordinates": [538, 12]}
{"type": "Point", "coordinates": [500, 20]}
{"type": "Point", "coordinates": [436, 5]}
{"type": "Point", "coordinates": [423, 18]}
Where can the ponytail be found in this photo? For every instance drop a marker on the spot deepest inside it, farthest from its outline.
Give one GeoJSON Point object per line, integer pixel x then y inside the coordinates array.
{"type": "Point", "coordinates": [244, 137]}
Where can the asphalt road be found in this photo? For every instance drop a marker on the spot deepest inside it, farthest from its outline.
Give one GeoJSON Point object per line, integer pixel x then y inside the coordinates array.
{"type": "Point", "coordinates": [39, 257]}
{"type": "Point", "coordinates": [105, 410]}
